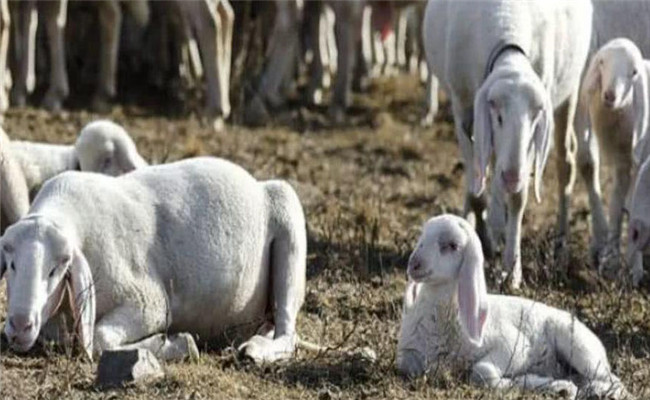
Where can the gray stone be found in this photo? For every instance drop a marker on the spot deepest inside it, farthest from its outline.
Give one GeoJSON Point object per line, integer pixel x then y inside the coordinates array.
{"type": "Point", "coordinates": [118, 368]}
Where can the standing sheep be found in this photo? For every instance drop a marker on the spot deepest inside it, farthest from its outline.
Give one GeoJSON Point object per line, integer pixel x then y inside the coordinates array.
{"type": "Point", "coordinates": [613, 106]}
{"type": "Point", "coordinates": [195, 246]}
{"type": "Point", "coordinates": [450, 321]}
{"type": "Point", "coordinates": [512, 71]}
{"type": "Point", "coordinates": [639, 227]}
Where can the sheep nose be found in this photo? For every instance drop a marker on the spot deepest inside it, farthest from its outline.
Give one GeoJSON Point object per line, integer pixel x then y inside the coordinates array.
{"type": "Point", "coordinates": [510, 179]}
{"type": "Point", "coordinates": [609, 97]}
{"type": "Point", "coordinates": [21, 323]}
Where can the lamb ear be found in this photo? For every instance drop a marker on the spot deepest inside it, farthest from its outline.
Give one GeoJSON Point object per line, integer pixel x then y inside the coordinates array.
{"type": "Point", "coordinates": [641, 115]}
{"type": "Point", "coordinates": [472, 292]}
{"type": "Point", "coordinates": [130, 160]}
{"type": "Point", "coordinates": [82, 298]}
{"type": "Point", "coordinates": [542, 137]}
{"type": "Point", "coordinates": [483, 137]}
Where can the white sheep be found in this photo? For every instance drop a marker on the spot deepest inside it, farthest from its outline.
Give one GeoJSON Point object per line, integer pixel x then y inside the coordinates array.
{"type": "Point", "coordinates": [613, 106]}
{"type": "Point", "coordinates": [194, 246]}
{"type": "Point", "coordinates": [450, 322]}
{"type": "Point", "coordinates": [102, 146]}
{"type": "Point", "coordinates": [512, 72]}
{"type": "Point", "coordinates": [14, 197]}
{"type": "Point", "coordinates": [639, 227]}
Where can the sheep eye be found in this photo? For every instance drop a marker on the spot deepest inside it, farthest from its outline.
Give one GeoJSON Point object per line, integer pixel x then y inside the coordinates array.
{"type": "Point", "coordinates": [635, 235]}
{"type": "Point", "coordinates": [448, 247]}
{"type": "Point", "coordinates": [53, 270]}
{"type": "Point", "coordinates": [634, 72]}
{"type": "Point", "coordinates": [12, 266]}
{"type": "Point", "coordinates": [499, 120]}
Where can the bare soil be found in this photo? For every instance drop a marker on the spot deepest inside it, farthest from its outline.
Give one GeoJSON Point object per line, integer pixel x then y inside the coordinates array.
{"type": "Point", "coordinates": [366, 187]}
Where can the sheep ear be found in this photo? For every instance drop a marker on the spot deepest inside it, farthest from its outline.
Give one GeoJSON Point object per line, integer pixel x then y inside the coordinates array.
{"type": "Point", "coordinates": [130, 160]}
{"type": "Point", "coordinates": [472, 293]}
{"type": "Point", "coordinates": [82, 300]}
{"type": "Point", "coordinates": [641, 114]}
{"type": "Point", "coordinates": [542, 137]}
{"type": "Point", "coordinates": [3, 265]}
{"type": "Point", "coordinates": [591, 81]}
{"type": "Point", "coordinates": [482, 134]}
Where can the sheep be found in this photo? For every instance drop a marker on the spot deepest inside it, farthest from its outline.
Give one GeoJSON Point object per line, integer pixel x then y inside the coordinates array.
{"type": "Point", "coordinates": [613, 106]}
{"type": "Point", "coordinates": [14, 198]}
{"type": "Point", "coordinates": [505, 341]}
{"type": "Point", "coordinates": [639, 226]}
{"type": "Point", "coordinates": [512, 72]}
{"type": "Point", "coordinates": [197, 246]}
{"type": "Point", "coordinates": [611, 20]}
{"type": "Point", "coordinates": [102, 146]}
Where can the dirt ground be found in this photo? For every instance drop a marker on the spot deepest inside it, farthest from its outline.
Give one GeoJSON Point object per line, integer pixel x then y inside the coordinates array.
{"type": "Point", "coordinates": [366, 187]}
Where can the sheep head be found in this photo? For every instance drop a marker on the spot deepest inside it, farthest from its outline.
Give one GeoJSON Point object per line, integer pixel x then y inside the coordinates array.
{"type": "Point", "coordinates": [449, 253]}
{"type": "Point", "coordinates": [105, 147]}
{"type": "Point", "coordinates": [43, 267]}
{"type": "Point", "coordinates": [513, 118]}
{"type": "Point", "coordinates": [617, 75]}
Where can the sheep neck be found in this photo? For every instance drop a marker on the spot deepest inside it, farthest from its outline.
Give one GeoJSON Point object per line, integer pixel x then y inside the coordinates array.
{"type": "Point", "coordinates": [446, 342]}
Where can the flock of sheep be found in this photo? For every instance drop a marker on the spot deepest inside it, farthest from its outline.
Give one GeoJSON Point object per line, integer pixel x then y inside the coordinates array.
{"type": "Point", "coordinates": [117, 253]}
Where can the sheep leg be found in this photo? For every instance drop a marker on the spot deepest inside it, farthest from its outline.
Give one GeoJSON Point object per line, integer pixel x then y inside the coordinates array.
{"type": "Point", "coordinates": [128, 327]}
{"type": "Point", "coordinates": [283, 45]}
{"type": "Point", "coordinates": [566, 144]}
{"type": "Point", "coordinates": [215, 43]}
{"type": "Point", "coordinates": [54, 13]}
{"type": "Point", "coordinates": [487, 374]}
{"type": "Point", "coordinates": [512, 255]}
{"type": "Point", "coordinates": [24, 21]}
{"type": "Point", "coordinates": [317, 25]}
{"type": "Point", "coordinates": [473, 204]}
{"type": "Point", "coordinates": [589, 166]}
{"type": "Point", "coordinates": [610, 261]}
{"type": "Point", "coordinates": [431, 100]}
{"type": "Point", "coordinates": [110, 22]}
{"type": "Point", "coordinates": [346, 29]}
{"type": "Point", "coordinates": [287, 275]}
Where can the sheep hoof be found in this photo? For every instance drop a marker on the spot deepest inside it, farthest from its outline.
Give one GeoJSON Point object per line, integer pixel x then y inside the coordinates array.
{"type": "Point", "coordinates": [609, 263]}
{"type": "Point", "coordinates": [100, 104]}
{"type": "Point", "coordinates": [262, 350]}
{"type": "Point", "coordinates": [563, 388]}
{"type": "Point", "coordinates": [118, 368]}
{"type": "Point", "coordinates": [52, 102]}
{"type": "Point", "coordinates": [427, 120]}
{"type": "Point", "coordinates": [218, 124]}
{"type": "Point", "coordinates": [256, 113]}
{"type": "Point", "coordinates": [17, 98]}
{"type": "Point", "coordinates": [337, 115]}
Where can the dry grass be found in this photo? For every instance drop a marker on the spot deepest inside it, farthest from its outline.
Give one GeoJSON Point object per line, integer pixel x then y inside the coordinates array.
{"type": "Point", "coordinates": [366, 189]}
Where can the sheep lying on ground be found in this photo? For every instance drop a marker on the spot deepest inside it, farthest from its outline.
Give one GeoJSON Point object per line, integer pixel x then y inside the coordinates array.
{"type": "Point", "coordinates": [449, 321]}
{"type": "Point", "coordinates": [14, 198]}
{"type": "Point", "coordinates": [614, 104]}
{"type": "Point", "coordinates": [195, 246]}
{"type": "Point", "coordinates": [512, 72]}
{"type": "Point", "coordinates": [102, 146]}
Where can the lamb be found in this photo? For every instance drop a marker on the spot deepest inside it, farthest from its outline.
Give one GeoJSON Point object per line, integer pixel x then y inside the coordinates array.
{"type": "Point", "coordinates": [197, 246]}
{"type": "Point", "coordinates": [102, 146]}
{"type": "Point", "coordinates": [639, 227]}
{"type": "Point", "coordinates": [613, 106]}
{"type": "Point", "coordinates": [512, 72]}
{"type": "Point", "coordinates": [505, 341]}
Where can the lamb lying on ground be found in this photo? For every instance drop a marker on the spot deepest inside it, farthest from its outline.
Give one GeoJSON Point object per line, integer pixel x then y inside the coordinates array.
{"type": "Point", "coordinates": [614, 103]}
{"type": "Point", "coordinates": [505, 341]}
{"type": "Point", "coordinates": [196, 246]}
